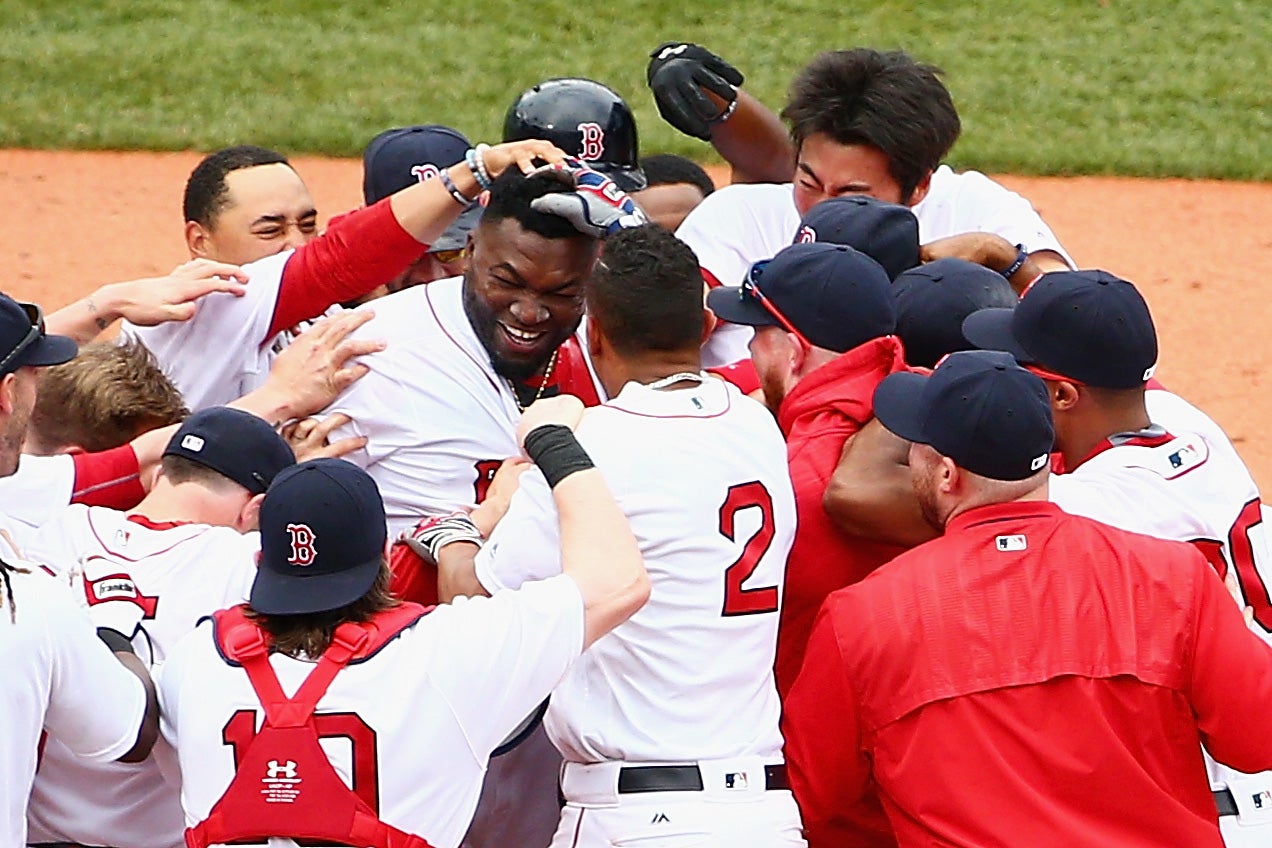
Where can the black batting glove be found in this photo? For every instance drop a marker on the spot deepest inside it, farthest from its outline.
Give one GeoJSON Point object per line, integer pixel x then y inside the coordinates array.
{"type": "Point", "coordinates": [677, 74]}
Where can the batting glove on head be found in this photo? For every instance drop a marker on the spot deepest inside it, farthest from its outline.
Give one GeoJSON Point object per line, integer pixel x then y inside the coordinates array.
{"type": "Point", "coordinates": [597, 207]}
{"type": "Point", "coordinates": [678, 73]}
{"type": "Point", "coordinates": [114, 601]}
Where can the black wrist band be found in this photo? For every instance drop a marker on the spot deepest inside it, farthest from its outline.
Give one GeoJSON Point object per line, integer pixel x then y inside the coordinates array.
{"type": "Point", "coordinates": [1022, 256]}
{"type": "Point", "coordinates": [116, 641]}
{"type": "Point", "coordinates": [557, 453]}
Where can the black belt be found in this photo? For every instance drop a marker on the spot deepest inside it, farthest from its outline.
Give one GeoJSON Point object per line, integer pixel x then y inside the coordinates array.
{"type": "Point", "coordinates": [1226, 804]}
{"type": "Point", "coordinates": [633, 779]}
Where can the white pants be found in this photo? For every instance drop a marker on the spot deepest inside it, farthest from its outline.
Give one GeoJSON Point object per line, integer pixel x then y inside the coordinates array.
{"type": "Point", "coordinates": [718, 816]}
{"type": "Point", "coordinates": [1252, 828]}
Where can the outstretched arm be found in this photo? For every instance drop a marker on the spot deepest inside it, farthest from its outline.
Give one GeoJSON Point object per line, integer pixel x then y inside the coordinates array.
{"type": "Point", "coordinates": [698, 93]}
{"type": "Point", "coordinates": [870, 494]}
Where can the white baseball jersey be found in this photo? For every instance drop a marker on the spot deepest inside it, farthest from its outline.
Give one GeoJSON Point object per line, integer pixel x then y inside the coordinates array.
{"type": "Point", "coordinates": [58, 678]}
{"type": "Point", "coordinates": [190, 571]}
{"type": "Point", "coordinates": [702, 475]}
{"type": "Point", "coordinates": [740, 225]}
{"type": "Point", "coordinates": [437, 418]}
{"type": "Point", "coordinates": [1183, 480]}
{"type": "Point", "coordinates": [40, 489]}
{"type": "Point", "coordinates": [426, 710]}
{"type": "Point", "coordinates": [220, 354]}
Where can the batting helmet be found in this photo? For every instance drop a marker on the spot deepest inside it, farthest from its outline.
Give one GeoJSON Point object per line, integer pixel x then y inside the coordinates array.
{"type": "Point", "coordinates": [583, 118]}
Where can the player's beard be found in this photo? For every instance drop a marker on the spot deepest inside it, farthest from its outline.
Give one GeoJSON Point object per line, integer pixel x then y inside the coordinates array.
{"type": "Point", "coordinates": [484, 323]}
{"type": "Point", "coordinates": [923, 479]}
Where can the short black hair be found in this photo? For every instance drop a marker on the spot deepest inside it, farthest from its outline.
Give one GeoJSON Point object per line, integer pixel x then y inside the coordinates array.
{"type": "Point", "coordinates": [645, 293]}
{"type": "Point", "coordinates": [205, 191]}
{"type": "Point", "coordinates": [670, 169]}
{"type": "Point", "coordinates": [885, 100]}
{"type": "Point", "coordinates": [512, 193]}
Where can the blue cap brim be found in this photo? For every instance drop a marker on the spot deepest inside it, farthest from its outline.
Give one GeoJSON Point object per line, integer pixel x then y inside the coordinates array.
{"type": "Point", "coordinates": [728, 305]}
{"type": "Point", "coordinates": [299, 594]}
{"type": "Point", "coordinates": [990, 329]}
{"type": "Point", "coordinates": [898, 404]}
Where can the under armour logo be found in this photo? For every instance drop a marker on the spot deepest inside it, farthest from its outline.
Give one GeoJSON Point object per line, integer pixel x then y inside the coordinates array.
{"type": "Point", "coordinates": [303, 551]}
{"type": "Point", "coordinates": [424, 172]}
{"type": "Point", "coordinates": [275, 770]}
{"type": "Point", "coordinates": [661, 818]}
{"type": "Point", "coordinates": [593, 141]}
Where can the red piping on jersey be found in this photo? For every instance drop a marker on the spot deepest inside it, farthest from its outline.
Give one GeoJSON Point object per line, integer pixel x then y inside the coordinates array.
{"type": "Point", "coordinates": [428, 297]}
{"type": "Point", "coordinates": [110, 550]}
{"type": "Point", "coordinates": [138, 518]}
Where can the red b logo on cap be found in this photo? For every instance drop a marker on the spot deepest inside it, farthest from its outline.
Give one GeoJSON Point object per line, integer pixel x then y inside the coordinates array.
{"type": "Point", "coordinates": [593, 141]}
{"type": "Point", "coordinates": [303, 551]}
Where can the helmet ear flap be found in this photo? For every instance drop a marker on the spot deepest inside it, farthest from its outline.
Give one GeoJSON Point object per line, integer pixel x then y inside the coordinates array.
{"type": "Point", "coordinates": [585, 119]}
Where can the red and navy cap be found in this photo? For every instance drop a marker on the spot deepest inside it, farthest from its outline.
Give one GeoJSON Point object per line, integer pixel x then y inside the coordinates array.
{"type": "Point", "coordinates": [979, 408]}
{"type": "Point", "coordinates": [323, 538]}
{"type": "Point", "coordinates": [835, 297]}
{"type": "Point", "coordinates": [886, 232]}
{"type": "Point", "coordinates": [1089, 326]}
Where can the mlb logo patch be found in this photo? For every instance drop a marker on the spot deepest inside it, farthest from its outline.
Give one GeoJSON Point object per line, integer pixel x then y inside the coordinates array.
{"type": "Point", "coordinates": [1011, 543]}
{"type": "Point", "coordinates": [192, 442]}
{"type": "Point", "coordinates": [735, 780]}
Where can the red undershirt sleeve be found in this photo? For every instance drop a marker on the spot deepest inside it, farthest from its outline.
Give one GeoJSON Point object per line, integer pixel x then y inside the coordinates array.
{"type": "Point", "coordinates": [741, 374]}
{"type": "Point", "coordinates": [367, 249]}
{"type": "Point", "coordinates": [109, 478]}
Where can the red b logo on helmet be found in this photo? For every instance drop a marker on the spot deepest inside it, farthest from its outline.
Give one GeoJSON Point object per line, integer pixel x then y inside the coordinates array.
{"type": "Point", "coordinates": [303, 551]}
{"type": "Point", "coordinates": [593, 141]}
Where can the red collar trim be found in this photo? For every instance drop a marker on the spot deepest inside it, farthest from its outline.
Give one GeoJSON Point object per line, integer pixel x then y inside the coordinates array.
{"type": "Point", "coordinates": [137, 518]}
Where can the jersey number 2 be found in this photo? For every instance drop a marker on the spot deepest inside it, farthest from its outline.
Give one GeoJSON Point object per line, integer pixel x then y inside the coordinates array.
{"type": "Point", "coordinates": [240, 730]}
{"type": "Point", "coordinates": [739, 600]}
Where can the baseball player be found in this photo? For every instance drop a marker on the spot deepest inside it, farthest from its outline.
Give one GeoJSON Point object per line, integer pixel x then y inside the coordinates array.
{"type": "Point", "coordinates": [1135, 466]}
{"type": "Point", "coordinates": [407, 703]}
{"type": "Point", "coordinates": [1031, 677]}
{"type": "Point", "coordinates": [669, 726]}
{"type": "Point", "coordinates": [189, 551]}
{"type": "Point", "coordinates": [934, 298]}
{"type": "Point", "coordinates": [861, 122]}
{"type": "Point", "coordinates": [370, 247]}
{"type": "Point", "coordinates": [57, 671]}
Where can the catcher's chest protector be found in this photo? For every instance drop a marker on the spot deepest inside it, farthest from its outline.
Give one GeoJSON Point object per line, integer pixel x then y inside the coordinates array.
{"type": "Point", "coordinates": [284, 785]}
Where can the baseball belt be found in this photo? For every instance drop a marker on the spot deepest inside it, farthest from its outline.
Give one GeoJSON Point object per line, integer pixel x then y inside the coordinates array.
{"type": "Point", "coordinates": [635, 779]}
{"type": "Point", "coordinates": [1225, 803]}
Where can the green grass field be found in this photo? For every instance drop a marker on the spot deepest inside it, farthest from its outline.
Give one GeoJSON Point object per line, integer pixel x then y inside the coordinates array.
{"type": "Point", "coordinates": [1155, 87]}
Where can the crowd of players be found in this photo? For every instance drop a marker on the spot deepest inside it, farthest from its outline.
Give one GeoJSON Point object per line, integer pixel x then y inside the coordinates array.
{"type": "Point", "coordinates": [465, 522]}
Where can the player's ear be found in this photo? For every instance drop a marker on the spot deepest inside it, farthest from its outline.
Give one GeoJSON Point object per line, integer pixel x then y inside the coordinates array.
{"type": "Point", "coordinates": [949, 476]}
{"type": "Point", "coordinates": [920, 190]}
{"type": "Point", "coordinates": [8, 387]}
{"type": "Point", "coordinates": [798, 352]}
{"type": "Point", "coordinates": [198, 239]}
{"type": "Point", "coordinates": [595, 340]}
{"type": "Point", "coordinates": [1064, 395]}
{"type": "Point", "coordinates": [249, 517]}
{"type": "Point", "coordinates": [709, 321]}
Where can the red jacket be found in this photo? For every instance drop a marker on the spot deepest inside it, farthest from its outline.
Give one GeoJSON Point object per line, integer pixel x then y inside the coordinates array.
{"type": "Point", "coordinates": [817, 418]}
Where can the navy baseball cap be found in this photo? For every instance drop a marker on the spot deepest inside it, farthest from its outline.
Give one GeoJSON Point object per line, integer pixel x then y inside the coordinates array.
{"type": "Point", "coordinates": [979, 408]}
{"type": "Point", "coordinates": [404, 156]}
{"type": "Point", "coordinates": [833, 296]}
{"type": "Point", "coordinates": [1087, 326]}
{"type": "Point", "coordinates": [933, 300]}
{"type": "Point", "coordinates": [235, 444]}
{"type": "Point", "coordinates": [323, 539]}
{"type": "Point", "coordinates": [886, 232]}
{"type": "Point", "coordinates": [23, 340]}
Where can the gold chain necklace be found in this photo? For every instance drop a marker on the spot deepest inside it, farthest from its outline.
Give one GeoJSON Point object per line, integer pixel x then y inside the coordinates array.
{"type": "Point", "coordinates": [543, 384]}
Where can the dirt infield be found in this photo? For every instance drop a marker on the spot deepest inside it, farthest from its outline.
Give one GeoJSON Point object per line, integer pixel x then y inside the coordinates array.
{"type": "Point", "coordinates": [1199, 250]}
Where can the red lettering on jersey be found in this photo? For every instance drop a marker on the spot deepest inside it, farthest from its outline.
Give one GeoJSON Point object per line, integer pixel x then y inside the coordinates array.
{"type": "Point", "coordinates": [593, 141]}
{"type": "Point", "coordinates": [739, 600]}
{"type": "Point", "coordinates": [1254, 588]}
{"type": "Point", "coordinates": [424, 172]}
{"type": "Point", "coordinates": [486, 469]}
{"type": "Point", "coordinates": [303, 551]}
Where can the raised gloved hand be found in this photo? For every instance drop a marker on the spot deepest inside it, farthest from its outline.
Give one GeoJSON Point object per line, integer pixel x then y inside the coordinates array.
{"type": "Point", "coordinates": [597, 207]}
{"type": "Point", "coordinates": [432, 534]}
{"type": "Point", "coordinates": [114, 601]}
{"type": "Point", "coordinates": [677, 74]}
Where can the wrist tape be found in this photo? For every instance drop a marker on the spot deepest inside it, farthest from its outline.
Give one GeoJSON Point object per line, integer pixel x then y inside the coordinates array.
{"type": "Point", "coordinates": [557, 453]}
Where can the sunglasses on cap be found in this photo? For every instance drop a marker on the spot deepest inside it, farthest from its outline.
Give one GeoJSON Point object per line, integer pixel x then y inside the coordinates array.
{"type": "Point", "coordinates": [448, 257]}
{"type": "Point", "coordinates": [36, 315]}
{"type": "Point", "coordinates": [751, 291]}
